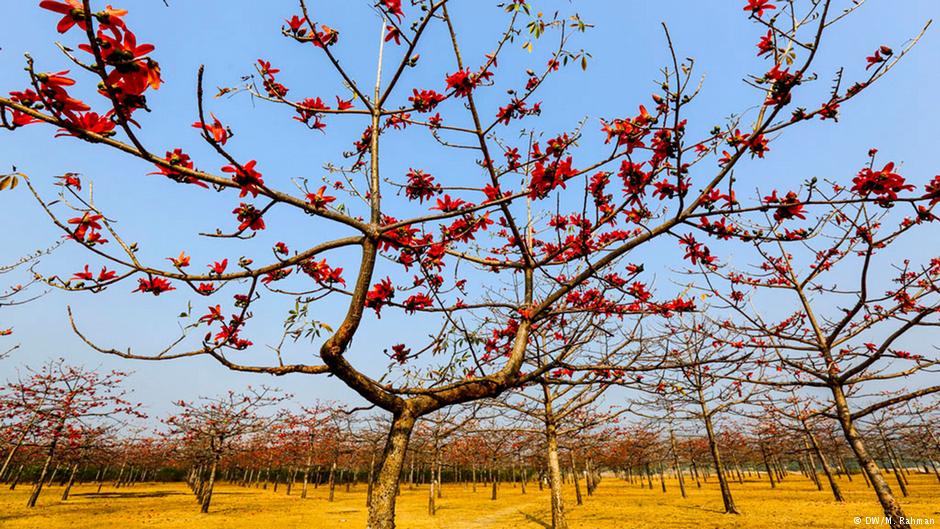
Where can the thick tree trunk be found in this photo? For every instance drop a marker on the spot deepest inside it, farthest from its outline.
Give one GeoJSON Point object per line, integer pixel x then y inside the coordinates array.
{"type": "Point", "coordinates": [382, 507]}
{"type": "Point", "coordinates": [889, 504]}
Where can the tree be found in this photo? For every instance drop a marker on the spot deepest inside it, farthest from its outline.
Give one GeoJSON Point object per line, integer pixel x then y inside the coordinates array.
{"type": "Point", "coordinates": [58, 405]}
{"type": "Point", "coordinates": [844, 307]}
{"type": "Point", "coordinates": [216, 424]}
{"type": "Point", "coordinates": [541, 242]}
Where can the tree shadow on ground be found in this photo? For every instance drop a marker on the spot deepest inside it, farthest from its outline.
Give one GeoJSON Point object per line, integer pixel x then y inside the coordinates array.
{"type": "Point", "coordinates": [536, 519]}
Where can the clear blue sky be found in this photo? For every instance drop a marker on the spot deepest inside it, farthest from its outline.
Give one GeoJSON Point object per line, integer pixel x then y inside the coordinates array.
{"type": "Point", "coordinates": [899, 116]}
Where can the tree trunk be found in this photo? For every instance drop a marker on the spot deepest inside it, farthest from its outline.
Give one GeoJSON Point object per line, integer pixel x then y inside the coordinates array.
{"type": "Point", "coordinates": [382, 507]}
{"type": "Point", "coordinates": [68, 486]}
{"type": "Point", "coordinates": [207, 493]}
{"type": "Point", "coordinates": [770, 474]}
{"type": "Point", "coordinates": [675, 463]}
{"type": "Point", "coordinates": [836, 492]}
{"type": "Point", "coordinates": [577, 485]}
{"type": "Point", "coordinates": [889, 504]}
{"type": "Point", "coordinates": [716, 457]}
{"type": "Point", "coordinates": [554, 476]}
{"type": "Point", "coordinates": [37, 488]}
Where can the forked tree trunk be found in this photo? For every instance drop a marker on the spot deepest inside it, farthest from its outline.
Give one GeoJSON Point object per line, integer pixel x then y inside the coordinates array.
{"type": "Point", "coordinates": [889, 504]}
{"type": "Point", "coordinates": [382, 507]}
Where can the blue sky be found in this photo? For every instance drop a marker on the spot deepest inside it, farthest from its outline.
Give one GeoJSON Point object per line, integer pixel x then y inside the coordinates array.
{"type": "Point", "coordinates": [898, 116]}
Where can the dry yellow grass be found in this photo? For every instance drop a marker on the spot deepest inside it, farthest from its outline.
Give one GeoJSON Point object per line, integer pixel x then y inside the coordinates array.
{"type": "Point", "coordinates": [615, 504]}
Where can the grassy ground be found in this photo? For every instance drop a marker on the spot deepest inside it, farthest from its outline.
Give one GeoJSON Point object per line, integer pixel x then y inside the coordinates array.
{"type": "Point", "coordinates": [615, 504]}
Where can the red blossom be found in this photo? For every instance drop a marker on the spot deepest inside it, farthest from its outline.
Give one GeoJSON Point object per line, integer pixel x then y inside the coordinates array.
{"type": "Point", "coordinates": [155, 286]}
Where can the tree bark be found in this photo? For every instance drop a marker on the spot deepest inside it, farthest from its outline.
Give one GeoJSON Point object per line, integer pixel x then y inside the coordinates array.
{"type": "Point", "coordinates": [554, 476]}
{"type": "Point", "coordinates": [716, 458]}
{"type": "Point", "coordinates": [207, 493]}
{"type": "Point", "coordinates": [68, 487]}
{"type": "Point", "coordinates": [675, 463]}
{"type": "Point", "coordinates": [836, 492]}
{"type": "Point", "coordinates": [382, 507]}
{"type": "Point", "coordinates": [889, 504]}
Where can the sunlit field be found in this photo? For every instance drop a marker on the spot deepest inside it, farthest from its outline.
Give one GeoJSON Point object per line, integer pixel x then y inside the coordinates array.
{"type": "Point", "coordinates": [794, 503]}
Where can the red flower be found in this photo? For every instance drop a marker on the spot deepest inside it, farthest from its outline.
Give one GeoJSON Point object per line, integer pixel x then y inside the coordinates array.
{"type": "Point", "coordinates": [281, 248]}
{"type": "Point", "coordinates": [72, 13]}
{"type": "Point", "coordinates": [766, 43]}
{"type": "Point", "coordinates": [421, 185]}
{"type": "Point", "coordinates": [393, 7]}
{"type": "Point", "coordinates": [322, 273]}
{"type": "Point", "coordinates": [379, 295]}
{"type": "Point", "coordinates": [180, 261]}
{"type": "Point", "coordinates": [106, 275]}
{"type": "Point", "coordinates": [246, 178]}
{"type": "Point", "coordinates": [758, 145]}
{"type": "Point", "coordinates": [249, 216]}
{"type": "Point", "coordinates": [275, 275]}
{"type": "Point", "coordinates": [84, 225]}
{"type": "Point", "coordinates": [216, 130]}
{"type": "Point", "coordinates": [425, 100]}
{"type": "Point", "coordinates": [91, 122]}
{"type": "Point", "coordinates": [448, 204]}
{"type": "Point", "coordinates": [400, 353]}
{"type": "Point", "coordinates": [84, 274]}
{"type": "Point", "coordinates": [155, 286]}
{"type": "Point", "coordinates": [757, 7]}
{"type": "Point", "coordinates": [296, 25]}
{"type": "Point", "coordinates": [933, 190]}
{"type": "Point", "coordinates": [343, 104]}
{"type": "Point", "coordinates": [548, 177]}
{"type": "Point", "coordinates": [885, 184]}
{"type": "Point", "coordinates": [789, 208]}
{"type": "Point", "coordinates": [319, 200]}
{"type": "Point", "coordinates": [70, 180]}
{"type": "Point", "coordinates": [695, 251]}
{"type": "Point", "coordinates": [393, 33]}
{"type": "Point", "coordinates": [218, 267]}
{"type": "Point", "coordinates": [179, 159]}
{"type": "Point", "coordinates": [215, 314]}
{"type": "Point", "coordinates": [877, 58]}
{"type": "Point", "coordinates": [462, 82]}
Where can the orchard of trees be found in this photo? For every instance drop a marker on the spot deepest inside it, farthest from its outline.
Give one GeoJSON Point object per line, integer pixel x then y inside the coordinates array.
{"type": "Point", "coordinates": [514, 301]}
